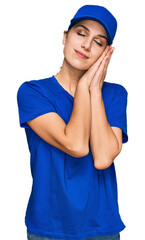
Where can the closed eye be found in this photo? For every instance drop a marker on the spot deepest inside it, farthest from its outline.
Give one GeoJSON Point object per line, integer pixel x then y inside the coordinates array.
{"type": "Point", "coordinates": [98, 43]}
{"type": "Point", "coordinates": [85, 35]}
{"type": "Point", "coordinates": [81, 34]}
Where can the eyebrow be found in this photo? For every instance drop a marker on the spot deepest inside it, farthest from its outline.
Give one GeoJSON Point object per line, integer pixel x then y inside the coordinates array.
{"type": "Point", "coordinates": [80, 25]}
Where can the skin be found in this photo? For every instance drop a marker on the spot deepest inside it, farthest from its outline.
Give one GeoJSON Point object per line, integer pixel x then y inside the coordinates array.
{"type": "Point", "coordinates": [105, 141]}
{"type": "Point", "coordinates": [85, 77]}
{"type": "Point", "coordinates": [74, 67]}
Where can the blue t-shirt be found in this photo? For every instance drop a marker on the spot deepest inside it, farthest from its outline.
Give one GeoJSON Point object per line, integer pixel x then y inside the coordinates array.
{"type": "Point", "coordinates": [70, 199]}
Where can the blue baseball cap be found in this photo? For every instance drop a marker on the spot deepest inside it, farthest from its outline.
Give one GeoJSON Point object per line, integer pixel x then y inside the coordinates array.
{"type": "Point", "coordinates": [99, 14]}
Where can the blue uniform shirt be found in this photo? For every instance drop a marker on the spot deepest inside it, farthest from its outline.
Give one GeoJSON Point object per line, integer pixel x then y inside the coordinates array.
{"type": "Point", "coordinates": [70, 198]}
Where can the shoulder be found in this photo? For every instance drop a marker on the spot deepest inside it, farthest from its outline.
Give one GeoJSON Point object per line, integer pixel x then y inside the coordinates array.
{"type": "Point", "coordinates": [40, 85]}
{"type": "Point", "coordinates": [115, 88]}
{"type": "Point", "coordinates": [36, 83]}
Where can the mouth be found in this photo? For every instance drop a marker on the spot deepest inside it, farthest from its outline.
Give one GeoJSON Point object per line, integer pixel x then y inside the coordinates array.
{"type": "Point", "coordinates": [82, 55]}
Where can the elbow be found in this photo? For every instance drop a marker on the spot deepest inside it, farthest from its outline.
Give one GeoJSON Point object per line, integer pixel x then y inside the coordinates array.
{"type": "Point", "coordinates": [102, 164]}
{"type": "Point", "coordinates": [105, 162]}
{"type": "Point", "coordinates": [80, 151]}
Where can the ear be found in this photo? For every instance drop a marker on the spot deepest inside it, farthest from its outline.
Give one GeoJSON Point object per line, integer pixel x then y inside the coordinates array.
{"type": "Point", "coordinates": [64, 37]}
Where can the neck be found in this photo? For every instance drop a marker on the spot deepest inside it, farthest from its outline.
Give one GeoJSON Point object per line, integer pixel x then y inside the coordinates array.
{"type": "Point", "coordinates": [68, 77]}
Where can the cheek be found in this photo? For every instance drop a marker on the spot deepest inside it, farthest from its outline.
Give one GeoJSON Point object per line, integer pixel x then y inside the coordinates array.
{"type": "Point", "coordinates": [96, 53]}
{"type": "Point", "coordinates": [72, 43]}
{"type": "Point", "coordinates": [73, 60]}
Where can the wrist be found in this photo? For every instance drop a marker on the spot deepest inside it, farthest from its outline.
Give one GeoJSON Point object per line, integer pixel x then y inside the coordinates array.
{"type": "Point", "coordinates": [83, 84]}
{"type": "Point", "coordinates": [96, 92]}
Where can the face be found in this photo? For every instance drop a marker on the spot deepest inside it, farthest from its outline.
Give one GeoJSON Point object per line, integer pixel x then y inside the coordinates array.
{"type": "Point", "coordinates": [87, 37]}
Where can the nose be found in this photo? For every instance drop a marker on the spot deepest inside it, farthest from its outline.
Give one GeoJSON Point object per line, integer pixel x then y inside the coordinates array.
{"type": "Point", "coordinates": [86, 44]}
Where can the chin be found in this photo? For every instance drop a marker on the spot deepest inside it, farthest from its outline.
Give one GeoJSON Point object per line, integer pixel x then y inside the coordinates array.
{"type": "Point", "coordinates": [80, 68]}
{"type": "Point", "coordinates": [78, 65]}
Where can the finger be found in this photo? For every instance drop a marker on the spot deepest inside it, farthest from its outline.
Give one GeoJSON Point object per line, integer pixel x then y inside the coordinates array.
{"type": "Point", "coordinates": [107, 61]}
{"type": "Point", "coordinates": [98, 75]}
{"type": "Point", "coordinates": [104, 73]}
{"type": "Point", "coordinates": [107, 49]}
{"type": "Point", "coordinates": [102, 79]}
{"type": "Point", "coordinates": [109, 58]}
{"type": "Point", "coordinates": [104, 63]}
{"type": "Point", "coordinates": [103, 67]}
{"type": "Point", "coordinates": [110, 52]}
{"type": "Point", "coordinates": [92, 70]}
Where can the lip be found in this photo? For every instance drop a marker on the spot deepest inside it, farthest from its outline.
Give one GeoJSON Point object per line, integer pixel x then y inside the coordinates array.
{"type": "Point", "coordinates": [80, 54]}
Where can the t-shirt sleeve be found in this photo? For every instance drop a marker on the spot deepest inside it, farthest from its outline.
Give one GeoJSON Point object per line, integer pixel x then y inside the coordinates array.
{"type": "Point", "coordinates": [32, 102]}
{"type": "Point", "coordinates": [117, 112]}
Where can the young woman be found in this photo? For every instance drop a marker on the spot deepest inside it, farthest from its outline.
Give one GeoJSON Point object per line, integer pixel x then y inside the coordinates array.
{"type": "Point", "coordinates": [75, 124]}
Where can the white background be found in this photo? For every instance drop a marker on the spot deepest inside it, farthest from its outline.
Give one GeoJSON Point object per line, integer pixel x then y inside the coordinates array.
{"type": "Point", "coordinates": [31, 48]}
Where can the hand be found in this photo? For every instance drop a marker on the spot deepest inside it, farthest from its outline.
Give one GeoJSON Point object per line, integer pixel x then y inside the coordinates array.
{"type": "Point", "coordinates": [89, 74]}
{"type": "Point", "coordinates": [99, 69]}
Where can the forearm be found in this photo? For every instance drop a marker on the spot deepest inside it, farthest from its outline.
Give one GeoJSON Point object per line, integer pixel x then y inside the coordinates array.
{"type": "Point", "coordinates": [104, 144]}
{"type": "Point", "coordinates": [79, 125]}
